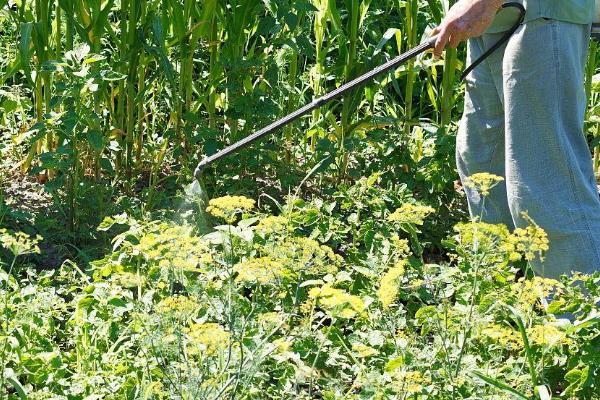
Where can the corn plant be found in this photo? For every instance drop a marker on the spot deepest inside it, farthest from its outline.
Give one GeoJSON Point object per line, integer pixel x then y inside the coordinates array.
{"type": "Point", "coordinates": [593, 113]}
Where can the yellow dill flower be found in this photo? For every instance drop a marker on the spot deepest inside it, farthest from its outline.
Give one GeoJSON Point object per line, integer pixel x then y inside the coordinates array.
{"type": "Point", "coordinates": [174, 246]}
{"type": "Point", "coordinates": [307, 256]}
{"type": "Point", "coordinates": [531, 242]}
{"type": "Point", "coordinates": [282, 345]}
{"type": "Point", "coordinates": [483, 182]}
{"type": "Point", "coordinates": [227, 207]}
{"type": "Point", "coordinates": [529, 291]}
{"type": "Point", "coordinates": [410, 382]}
{"type": "Point", "coordinates": [179, 306]}
{"type": "Point", "coordinates": [410, 214]}
{"type": "Point", "coordinates": [269, 319]}
{"type": "Point", "coordinates": [207, 337]}
{"type": "Point", "coordinates": [19, 243]}
{"type": "Point", "coordinates": [264, 270]}
{"type": "Point", "coordinates": [272, 224]}
{"type": "Point", "coordinates": [401, 246]}
{"type": "Point", "coordinates": [483, 236]}
{"type": "Point", "coordinates": [337, 302]}
{"type": "Point", "coordinates": [547, 335]}
{"type": "Point", "coordinates": [506, 337]}
{"type": "Point", "coordinates": [363, 351]}
{"type": "Point", "coordinates": [389, 285]}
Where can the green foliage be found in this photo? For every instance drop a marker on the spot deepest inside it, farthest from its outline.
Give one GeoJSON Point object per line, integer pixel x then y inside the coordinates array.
{"type": "Point", "coordinates": [263, 307]}
{"type": "Point", "coordinates": [363, 284]}
{"type": "Point", "coordinates": [173, 81]}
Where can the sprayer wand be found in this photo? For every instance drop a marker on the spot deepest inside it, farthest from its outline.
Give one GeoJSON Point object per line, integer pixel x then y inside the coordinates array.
{"type": "Point", "coordinates": [357, 82]}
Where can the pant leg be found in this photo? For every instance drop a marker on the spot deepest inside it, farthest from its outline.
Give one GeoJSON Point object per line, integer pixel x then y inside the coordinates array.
{"type": "Point", "coordinates": [548, 163]}
{"type": "Point", "coordinates": [480, 139]}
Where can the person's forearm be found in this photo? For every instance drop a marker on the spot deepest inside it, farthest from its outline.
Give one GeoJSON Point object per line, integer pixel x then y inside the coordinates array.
{"type": "Point", "coordinates": [496, 3]}
{"type": "Point", "coordinates": [465, 19]}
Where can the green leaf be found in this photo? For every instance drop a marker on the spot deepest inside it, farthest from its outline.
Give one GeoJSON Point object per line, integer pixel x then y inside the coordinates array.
{"type": "Point", "coordinates": [24, 45]}
{"type": "Point", "coordinates": [9, 106]}
{"type": "Point", "coordinates": [245, 223]}
{"type": "Point", "coordinates": [394, 363]}
{"type": "Point", "coordinates": [390, 33]}
{"type": "Point", "coordinates": [86, 303]}
{"type": "Point", "coordinates": [12, 379]}
{"type": "Point", "coordinates": [109, 222]}
{"type": "Point", "coordinates": [160, 52]}
{"type": "Point", "coordinates": [95, 139]}
{"type": "Point", "coordinates": [304, 6]}
{"type": "Point", "coordinates": [179, 24]}
{"type": "Point", "coordinates": [364, 271]}
{"type": "Point", "coordinates": [312, 282]}
{"type": "Point", "coordinates": [334, 14]}
{"type": "Point", "coordinates": [111, 76]}
{"type": "Point", "coordinates": [206, 20]}
{"type": "Point", "coordinates": [117, 302]}
{"type": "Point", "coordinates": [106, 165]}
{"type": "Point", "coordinates": [577, 378]}
{"type": "Point", "coordinates": [519, 321]}
{"type": "Point", "coordinates": [101, 20]}
{"type": "Point", "coordinates": [499, 385]}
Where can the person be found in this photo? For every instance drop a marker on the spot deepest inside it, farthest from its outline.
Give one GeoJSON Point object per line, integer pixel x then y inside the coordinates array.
{"type": "Point", "coordinates": [523, 120]}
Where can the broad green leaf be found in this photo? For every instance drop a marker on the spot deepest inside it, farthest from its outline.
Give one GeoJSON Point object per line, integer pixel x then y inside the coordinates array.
{"type": "Point", "coordinates": [95, 139]}
{"type": "Point", "coordinates": [394, 363]}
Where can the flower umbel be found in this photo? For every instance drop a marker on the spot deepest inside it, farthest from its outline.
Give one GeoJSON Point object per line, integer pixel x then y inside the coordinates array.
{"type": "Point", "coordinates": [410, 382]}
{"type": "Point", "coordinates": [483, 182]}
{"type": "Point", "coordinates": [174, 247]}
{"type": "Point", "coordinates": [227, 207]}
{"type": "Point", "coordinates": [181, 307]}
{"type": "Point", "coordinates": [307, 257]}
{"type": "Point", "coordinates": [208, 337]}
{"type": "Point", "coordinates": [504, 336]}
{"type": "Point", "coordinates": [483, 238]}
{"type": "Point", "coordinates": [410, 214]}
{"type": "Point", "coordinates": [128, 279]}
{"type": "Point", "coordinates": [272, 224]}
{"type": "Point", "coordinates": [531, 242]}
{"type": "Point", "coordinates": [264, 270]}
{"type": "Point", "coordinates": [529, 291]}
{"type": "Point", "coordinates": [363, 351]}
{"type": "Point", "coordinates": [390, 284]}
{"type": "Point", "coordinates": [547, 335]}
{"type": "Point", "coordinates": [337, 302]}
{"type": "Point", "coordinates": [19, 243]}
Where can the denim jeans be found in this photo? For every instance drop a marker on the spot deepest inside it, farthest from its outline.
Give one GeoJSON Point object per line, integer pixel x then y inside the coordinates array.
{"type": "Point", "coordinates": [523, 120]}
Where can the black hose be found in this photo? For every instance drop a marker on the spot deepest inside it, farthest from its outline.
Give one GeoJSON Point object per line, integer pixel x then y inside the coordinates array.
{"type": "Point", "coordinates": [500, 42]}
{"type": "Point", "coordinates": [316, 103]}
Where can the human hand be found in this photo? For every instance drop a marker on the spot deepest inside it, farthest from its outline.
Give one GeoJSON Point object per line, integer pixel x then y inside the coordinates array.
{"type": "Point", "coordinates": [465, 19]}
